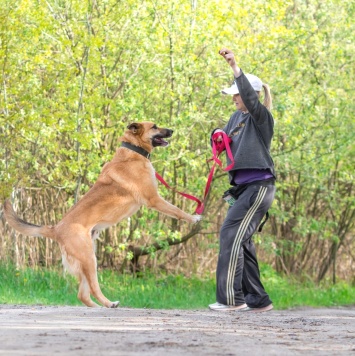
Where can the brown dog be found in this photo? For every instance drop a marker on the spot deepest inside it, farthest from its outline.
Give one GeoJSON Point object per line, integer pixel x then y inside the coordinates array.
{"type": "Point", "coordinates": [124, 185]}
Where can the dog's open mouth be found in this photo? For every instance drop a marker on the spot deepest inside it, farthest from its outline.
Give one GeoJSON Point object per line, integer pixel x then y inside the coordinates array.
{"type": "Point", "coordinates": [159, 141]}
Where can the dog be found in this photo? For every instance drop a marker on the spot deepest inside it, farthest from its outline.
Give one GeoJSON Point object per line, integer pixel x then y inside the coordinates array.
{"type": "Point", "coordinates": [125, 184]}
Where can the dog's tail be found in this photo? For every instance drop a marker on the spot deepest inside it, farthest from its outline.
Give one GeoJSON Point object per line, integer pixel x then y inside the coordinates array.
{"type": "Point", "coordinates": [24, 227]}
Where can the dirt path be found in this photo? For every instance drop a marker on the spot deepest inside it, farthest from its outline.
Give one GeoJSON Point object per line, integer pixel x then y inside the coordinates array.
{"type": "Point", "coordinates": [38, 330]}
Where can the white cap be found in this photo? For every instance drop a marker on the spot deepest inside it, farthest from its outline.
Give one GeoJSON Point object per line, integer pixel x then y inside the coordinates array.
{"type": "Point", "coordinates": [255, 82]}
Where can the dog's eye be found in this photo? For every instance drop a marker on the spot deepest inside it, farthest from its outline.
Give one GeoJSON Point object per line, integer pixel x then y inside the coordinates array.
{"type": "Point", "coordinates": [154, 127]}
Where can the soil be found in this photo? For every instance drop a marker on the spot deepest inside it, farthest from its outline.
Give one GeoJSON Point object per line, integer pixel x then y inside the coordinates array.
{"type": "Point", "coordinates": [58, 330]}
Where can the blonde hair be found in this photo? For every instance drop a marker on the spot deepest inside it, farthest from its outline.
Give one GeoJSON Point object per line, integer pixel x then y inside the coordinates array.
{"type": "Point", "coordinates": [267, 97]}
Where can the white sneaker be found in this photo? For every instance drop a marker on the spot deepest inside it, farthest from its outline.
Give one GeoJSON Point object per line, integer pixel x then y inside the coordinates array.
{"type": "Point", "coordinates": [258, 310]}
{"type": "Point", "coordinates": [222, 307]}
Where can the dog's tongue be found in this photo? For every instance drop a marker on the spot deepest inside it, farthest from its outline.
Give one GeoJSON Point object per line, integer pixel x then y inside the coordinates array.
{"type": "Point", "coordinates": [161, 141]}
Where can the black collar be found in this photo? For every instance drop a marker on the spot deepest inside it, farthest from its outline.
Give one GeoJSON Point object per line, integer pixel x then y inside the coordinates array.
{"type": "Point", "coordinates": [137, 149]}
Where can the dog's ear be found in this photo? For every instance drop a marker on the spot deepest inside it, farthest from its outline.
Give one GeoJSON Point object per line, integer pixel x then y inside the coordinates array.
{"type": "Point", "coordinates": [135, 127]}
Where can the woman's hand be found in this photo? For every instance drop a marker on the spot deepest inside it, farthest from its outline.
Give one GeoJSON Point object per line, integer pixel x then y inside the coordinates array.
{"type": "Point", "coordinates": [219, 138]}
{"type": "Point", "coordinates": [228, 55]}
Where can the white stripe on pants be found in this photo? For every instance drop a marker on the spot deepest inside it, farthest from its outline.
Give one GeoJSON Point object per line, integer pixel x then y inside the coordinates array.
{"type": "Point", "coordinates": [237, 242]}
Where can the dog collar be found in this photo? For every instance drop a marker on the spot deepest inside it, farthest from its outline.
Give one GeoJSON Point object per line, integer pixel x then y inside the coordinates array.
{"type": "Point", "coordinates": [137, 149]}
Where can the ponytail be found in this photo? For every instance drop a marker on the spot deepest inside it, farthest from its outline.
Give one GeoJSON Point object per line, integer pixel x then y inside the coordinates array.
{"type": "Point", "coordinates": [267, 97]}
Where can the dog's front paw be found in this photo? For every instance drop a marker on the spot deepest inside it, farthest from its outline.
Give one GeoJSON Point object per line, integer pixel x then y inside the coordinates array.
{"type": "Point", "coordinates": [196, 218]}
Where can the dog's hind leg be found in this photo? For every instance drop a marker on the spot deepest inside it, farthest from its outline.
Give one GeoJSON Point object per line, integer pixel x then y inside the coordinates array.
{"type": "Point", "coordinates": [74, 267]}
{"type": "Point", "coordinates": [79, 256]}
{"type": "Point", "coordinates": [84, 292]}
{"type": "Point", "coordinates": [89, 270]}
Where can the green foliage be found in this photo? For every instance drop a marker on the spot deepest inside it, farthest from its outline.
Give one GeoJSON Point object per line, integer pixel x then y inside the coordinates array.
{"type": "Point", "coordinates": [74, 73]}
{"type": "Point", "coordinates": [314, 141]}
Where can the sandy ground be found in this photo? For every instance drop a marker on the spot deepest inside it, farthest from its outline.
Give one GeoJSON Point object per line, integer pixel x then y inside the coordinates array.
{"type": "Point", "coordinates": [39, 330]}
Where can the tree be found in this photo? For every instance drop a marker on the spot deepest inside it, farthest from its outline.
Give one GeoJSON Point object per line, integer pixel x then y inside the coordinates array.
{"type": "Point", "coordinates": [74, 74]}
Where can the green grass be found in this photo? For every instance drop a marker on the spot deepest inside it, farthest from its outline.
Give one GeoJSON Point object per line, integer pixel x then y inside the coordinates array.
{"type": "Point", "coordinates": [52, 287]}
{"type": "Point", "coordinates": [288, 292]}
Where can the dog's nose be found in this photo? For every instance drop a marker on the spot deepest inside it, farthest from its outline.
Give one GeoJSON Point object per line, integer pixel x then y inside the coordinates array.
{"type": "Point", "coordinates": [170, 132]}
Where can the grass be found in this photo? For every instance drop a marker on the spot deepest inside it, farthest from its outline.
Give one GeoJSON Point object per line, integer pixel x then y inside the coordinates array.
{"type": "Point", "coordinates": [52, 287]}
{"type": "Point", "coordinates": [288, 292]}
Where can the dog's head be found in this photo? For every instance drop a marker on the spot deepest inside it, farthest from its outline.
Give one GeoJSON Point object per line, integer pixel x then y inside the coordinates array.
{"type": "Point", "coordinates": [147, 135]}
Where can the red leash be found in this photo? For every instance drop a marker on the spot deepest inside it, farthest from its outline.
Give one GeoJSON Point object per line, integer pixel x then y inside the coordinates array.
{"type": "Point", "coordinates": [200, 206]}
{"type": "Point", "coordinates": [217, 149]}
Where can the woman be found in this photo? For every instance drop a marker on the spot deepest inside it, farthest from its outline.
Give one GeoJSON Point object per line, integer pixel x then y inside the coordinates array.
{"type": "Point", "coordinates": [252, 177]}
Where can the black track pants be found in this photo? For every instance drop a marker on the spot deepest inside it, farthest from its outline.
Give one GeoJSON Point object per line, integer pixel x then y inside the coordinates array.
{"type": "Point", "coordinates": [238, 276]}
